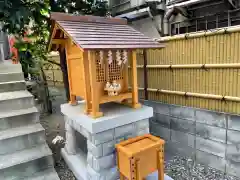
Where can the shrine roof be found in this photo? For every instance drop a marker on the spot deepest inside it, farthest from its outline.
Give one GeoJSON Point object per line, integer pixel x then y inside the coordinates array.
{"type": "Point", "coordinates": [93, 32]}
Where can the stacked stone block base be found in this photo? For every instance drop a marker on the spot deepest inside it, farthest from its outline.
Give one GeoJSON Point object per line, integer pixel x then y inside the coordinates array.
{"type": "Point", "coordinates": [94, 140]}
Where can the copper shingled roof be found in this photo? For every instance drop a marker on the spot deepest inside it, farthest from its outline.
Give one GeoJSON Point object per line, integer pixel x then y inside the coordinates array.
{"type": "Point", "coordinates": [91, 32]}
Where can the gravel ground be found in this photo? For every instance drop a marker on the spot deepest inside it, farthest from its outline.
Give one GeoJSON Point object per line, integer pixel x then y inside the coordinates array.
{"type": "Point", "coordinates": [63, 171]}
{"type": "Point", "coordinates": [179, 168]}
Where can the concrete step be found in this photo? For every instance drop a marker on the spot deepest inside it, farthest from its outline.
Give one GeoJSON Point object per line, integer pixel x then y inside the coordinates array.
{"type": "Point", "coordinates": [18, 118]}
{"type": "Point", "coordinates": [15, 100]}
{"type": "Point", "coordinates": [11, 76]}
{"type": "Point", "coordinates": [12, 86]}
{"type": "Point", "coordinates": [48, 174]}
{"type": "Point", "coordinates": [17, 139]}
{"type": "Point", "coordinates": [25, 163]}
{"type": "Point", "coordinates": [7, 66]}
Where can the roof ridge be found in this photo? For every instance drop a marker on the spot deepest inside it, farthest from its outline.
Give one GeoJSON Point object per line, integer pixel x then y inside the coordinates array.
{"type": "Point", "coordinates": [57, 16]}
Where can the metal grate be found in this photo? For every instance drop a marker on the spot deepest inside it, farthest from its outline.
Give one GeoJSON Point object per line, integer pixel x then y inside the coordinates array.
{"type": "Point", "coordinates": [207, 22]}
{"type": "Point", "coordinates": [100, 70]}
{"type": "Point", "coordinates": [114, 70]}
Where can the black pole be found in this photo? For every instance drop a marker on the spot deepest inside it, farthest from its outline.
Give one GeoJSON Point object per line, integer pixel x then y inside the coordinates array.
{"type": "Point", "coordinates": [63, 64]}
{"type": "Point", "coordinates": [145, 74]}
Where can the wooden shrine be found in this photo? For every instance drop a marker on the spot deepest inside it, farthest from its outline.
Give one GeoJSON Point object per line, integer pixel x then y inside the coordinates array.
{"type": "Point", "coordinates": [98, 53]}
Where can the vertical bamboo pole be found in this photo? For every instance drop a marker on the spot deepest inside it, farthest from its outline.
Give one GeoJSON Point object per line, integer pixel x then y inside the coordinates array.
{"type": "Point", "coordinates": [86, 81]}
{"type": "Point", "coordinates": [135, 103]}
{"type": "Point", "coordinates": [93, 82]}
{"type": "Point", "coordinates": [72, 97]}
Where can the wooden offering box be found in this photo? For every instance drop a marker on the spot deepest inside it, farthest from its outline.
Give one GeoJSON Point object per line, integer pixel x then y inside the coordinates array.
{"type": "Point", "coordinates": [98, 51]}
{"type": "Point", "coordinates": [138, 157]}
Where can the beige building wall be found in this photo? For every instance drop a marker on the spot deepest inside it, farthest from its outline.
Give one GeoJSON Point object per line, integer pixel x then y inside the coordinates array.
{"type": "Point", "coordinates": [147, 27]}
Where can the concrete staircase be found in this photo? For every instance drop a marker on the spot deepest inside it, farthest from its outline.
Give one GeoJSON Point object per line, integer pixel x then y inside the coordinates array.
{"type": "Point", "coordinates": [24, 154]}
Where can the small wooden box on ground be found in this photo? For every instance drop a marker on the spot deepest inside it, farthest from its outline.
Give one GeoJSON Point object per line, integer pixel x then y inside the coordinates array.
{"type": "Point", "coordinates": [97, 52]}
{"type": "Point", "coordinates": [138, 157]}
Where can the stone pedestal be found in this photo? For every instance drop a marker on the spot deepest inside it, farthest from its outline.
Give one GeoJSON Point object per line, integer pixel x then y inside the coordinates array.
{"type": "Point", "coordinates": [90, 143]}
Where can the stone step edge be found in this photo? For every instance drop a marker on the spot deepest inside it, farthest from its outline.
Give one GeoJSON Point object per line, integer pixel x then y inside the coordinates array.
{"type": "Point", "coordinates": [18, 112]}
{"type": "Point", "coordinates": [11, 82]}
{"type": "Point", "coordinates": [14, 72]}
{"type": "Point", "coordinates": [24, 156]}
{"type": "Point", "coordinates": [15, 95]}
{"type": "Point", "coordinates": [43, 175]}
{"type": "Point", "coordinates": [10, 70]}
{"type": "Point", "coordinates": [10, 66]}
{"type": "Point", "coordinates": [21, 131]}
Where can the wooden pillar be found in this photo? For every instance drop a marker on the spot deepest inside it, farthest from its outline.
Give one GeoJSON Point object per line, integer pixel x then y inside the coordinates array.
{"type": "Point", "coordinates": [86, 81]}
{"type": "Point", "coordinates": [93, 82]}
{"type": "Point", "coordinates": [72, 96]}
{"type": "Point", "coordinates": [135, 103]}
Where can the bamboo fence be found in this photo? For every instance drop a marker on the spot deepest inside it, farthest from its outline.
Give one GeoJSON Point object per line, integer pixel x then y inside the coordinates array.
{"type": "Point", "coordinates": [200, 70]}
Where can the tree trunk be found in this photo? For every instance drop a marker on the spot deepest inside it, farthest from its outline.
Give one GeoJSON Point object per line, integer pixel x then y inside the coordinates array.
{"type": "Point", "coordinates": [63, 65]}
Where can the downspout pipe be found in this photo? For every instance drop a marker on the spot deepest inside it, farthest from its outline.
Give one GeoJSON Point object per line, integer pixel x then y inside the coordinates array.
{"type": "Point", "coordinates": [168, 15]}
{"type": "Point", "coordinates": [166, 18]}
